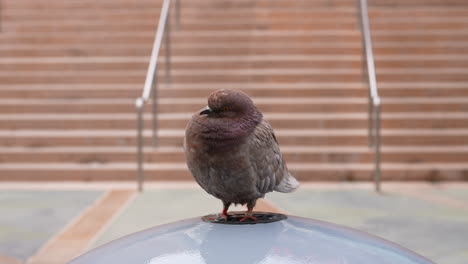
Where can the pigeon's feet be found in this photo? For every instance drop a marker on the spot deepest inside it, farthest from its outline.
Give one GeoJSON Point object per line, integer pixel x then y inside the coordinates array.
{"type": "Point", "coordinates": [248, 215]}
{"type": "Point", "coordinates": [219, 217]}
{"type": "Point", "coordinates": [223, 217]}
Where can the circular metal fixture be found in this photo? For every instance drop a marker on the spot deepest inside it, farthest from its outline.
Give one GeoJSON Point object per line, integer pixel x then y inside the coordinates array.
{"type": "Point", "coordinates": [234, 218]}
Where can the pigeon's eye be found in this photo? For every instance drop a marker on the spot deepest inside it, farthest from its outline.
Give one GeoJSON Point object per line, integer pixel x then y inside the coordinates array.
{"type": "Point", "coordinates": [226, 108]}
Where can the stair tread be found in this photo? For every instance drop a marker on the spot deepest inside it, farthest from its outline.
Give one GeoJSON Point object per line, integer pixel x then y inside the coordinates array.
{"type": "Point", "coordinates": [234, 85]}
{"type": "Point", "coordinates": [183, 166]}
{"type": "Point", "coordinates": [249, 71]}
{"type": "Point", "coordinates": [230, 58]}
{"type": "Point", "coordinates": [284, 149]}
{"type": "Point", "coordinates": [181, 132]}
{"type": "Point", "coordinates": [258, 100]}
{"type": "Point", "coordinates": [268, 116]}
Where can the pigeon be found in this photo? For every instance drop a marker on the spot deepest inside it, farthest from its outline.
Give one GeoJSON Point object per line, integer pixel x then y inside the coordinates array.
{"type": "Point", "coordinates": [233, 154]}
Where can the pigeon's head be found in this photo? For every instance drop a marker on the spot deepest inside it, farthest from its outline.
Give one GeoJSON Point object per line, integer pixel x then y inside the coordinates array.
{"type": "Point", "coordinates": [231, 104]}
{"type": "Point", "coordinates": [227, 120]}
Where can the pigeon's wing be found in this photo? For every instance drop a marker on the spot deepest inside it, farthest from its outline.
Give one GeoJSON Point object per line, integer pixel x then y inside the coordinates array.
{"type": "Point", "coordinates": [267, 162]}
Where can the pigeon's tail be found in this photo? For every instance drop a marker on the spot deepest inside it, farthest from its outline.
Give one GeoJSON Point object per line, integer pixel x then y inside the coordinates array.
{"type": "Point", "coordinates": [288, 184]}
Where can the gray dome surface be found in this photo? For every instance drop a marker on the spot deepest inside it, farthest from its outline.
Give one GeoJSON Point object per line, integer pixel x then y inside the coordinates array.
{"type": "Point", "coordinates": [294, 240]}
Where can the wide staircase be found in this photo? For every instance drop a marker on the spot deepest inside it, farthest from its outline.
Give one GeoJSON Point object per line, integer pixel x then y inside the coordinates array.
{"type": "Point", "coordinates": [422, 70]}
{"type": "Point", "coordinates": [70, 72]}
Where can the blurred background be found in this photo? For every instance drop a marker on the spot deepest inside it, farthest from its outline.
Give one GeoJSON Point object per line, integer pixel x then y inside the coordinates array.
{"type": "Point", "coordinates": [369, 103]}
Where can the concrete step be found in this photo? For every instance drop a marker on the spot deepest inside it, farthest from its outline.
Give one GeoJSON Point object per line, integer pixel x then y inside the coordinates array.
{"type": "Point", "coordinates": [44, 66]}
{"type": "Point", "coordinates": [173, 121]}
{"type": "Point", "coordinates": [131, 91]}
{"type": "Point", "coordinates": [260, 24]}
{"type": "Point", "coordinates": [246, 12]}
{"type": "Point", "coordinates": [177, 105]}
{"type": "Point", "coordinates": [417, 12]}
{"type": "Point", "coordinates": [195, 25]}
{"type": "Point", "coordinates": [194, 11]}
{"type": "Point", "coordinates": [151, 12]}
{"type": "Point", "coordinates": [245, 75]}
{"type": "Point", "coordinates": [187, 76]}
{"type": "Point", "coordinates": [435, 120]}
{"type": "Point", "coordinates": [192, 17]}
{"type": "Point", "coordinates": [265, 30]}
{"type": "Point", "coordinates": [421, 3]}
{"type": "Point", "coordinates": [245, 61]}
{"type": "Point", "coordinates": [106, 5]}
{"type": "Point", "coordinates": [255, 50]}
{"type": "Point", "coordinates": [302, 137]}
{"type": "Point", "coordinates": [260, 89]}
{"type": "Point", "coordinates": [314, 154]}
{"type": "Point", "coordinates": [231, 51]}
{"type": "Point", "coordinates": [147, 38]}
{"type": "Point", "coordinates": [265, 22]}
{"type": "Point", "coordinates": [100, 63]}
{"type": "Point", "coordinates": [430, 36]}
{"type": "Point", "coordinates": [150, 15]}
{"type": "Point", "coordinates": [234, 35]}
{"type": "Point", "coordinates": [178, 171]}
{"type": "Point", "coordinates": [266, 104]}
{"type": "Point", "coordinates": [392, 60]}
{"type": "Point", "coordinates": [218, 36]}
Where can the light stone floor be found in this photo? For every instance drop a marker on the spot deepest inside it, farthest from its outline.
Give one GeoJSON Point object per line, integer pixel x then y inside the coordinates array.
{"type": "Point", "coordinates": [431, 220]}
{"type": "Point", "coordinates": [437, 232]}
{"type": "Point", "coordinates": [28, 218]}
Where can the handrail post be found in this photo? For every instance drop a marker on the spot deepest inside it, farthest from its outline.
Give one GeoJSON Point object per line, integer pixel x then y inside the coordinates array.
{"type": "Point", "coordinates": [149, 88]}
{"type": "Point", "coordinates": [377, 148]}
{"type": "Point", "coordinates": [154, 108]}
{"type": "Point", "coordinates": [156, 47]}
{"type": "Point", "coordinates": [139, 105]}
{"type": "Point", "coordinates": [168, 48]}
{"type": "Point", "coordinates": [374, 106]}
{"type": "Point", "coordinates": [177, 13]}
{"type": "Point", "coordinates": [370, 122]}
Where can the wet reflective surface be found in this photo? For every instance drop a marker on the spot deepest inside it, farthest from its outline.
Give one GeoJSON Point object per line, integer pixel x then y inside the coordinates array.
{"type": "Point", "coordinates": [294, 240]}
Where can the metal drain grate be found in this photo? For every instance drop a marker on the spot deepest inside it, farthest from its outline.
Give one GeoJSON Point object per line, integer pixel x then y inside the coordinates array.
{"type": "Point", "coordinates": [235, 217]}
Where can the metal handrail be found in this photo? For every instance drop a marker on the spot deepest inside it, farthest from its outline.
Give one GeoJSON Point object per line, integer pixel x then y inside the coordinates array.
{"type": "Point", "coordinates": [373, 95]}
{"type": "Point", "coordinates": [151, 83]}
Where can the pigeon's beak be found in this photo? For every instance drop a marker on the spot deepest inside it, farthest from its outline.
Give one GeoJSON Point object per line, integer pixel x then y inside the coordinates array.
{"type": "Point", "coordinates": [207, 110]}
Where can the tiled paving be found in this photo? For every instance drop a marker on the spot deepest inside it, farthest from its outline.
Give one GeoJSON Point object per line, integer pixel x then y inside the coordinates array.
{"type": "Point", "coordinates": [437, 232]}
{"type": "Point", "coordinates": [79, 235]}
{"type": "Point", "coordinates": [457, 193]}
{"type": "Point", "coordinates": [28, 219]}
{"type": "Point", "coordinates": [155, 207]}
{"type": "Point", "coordinates": [429, 219]}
